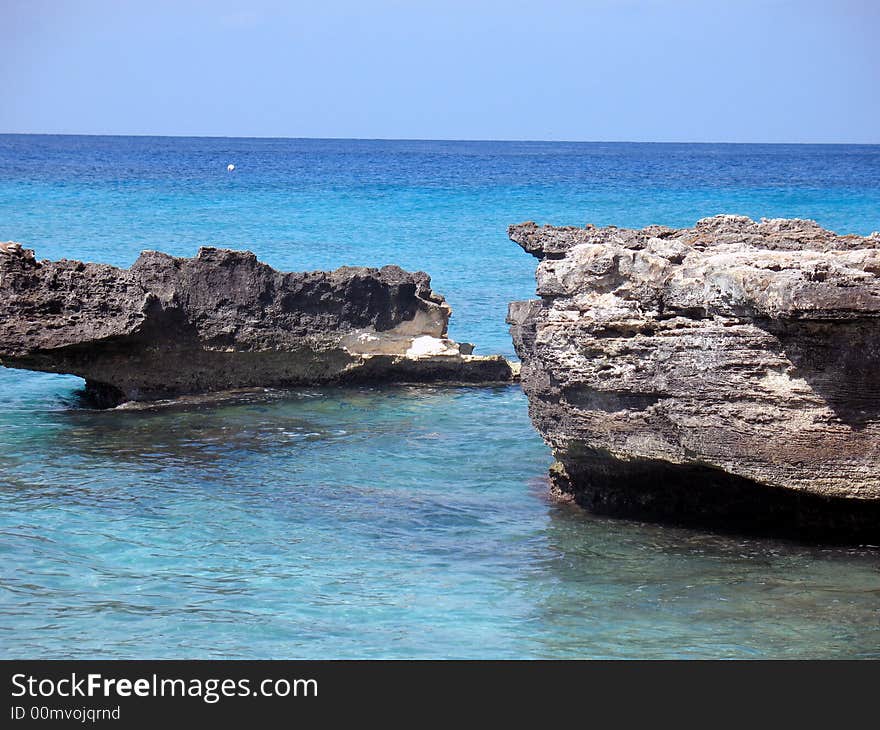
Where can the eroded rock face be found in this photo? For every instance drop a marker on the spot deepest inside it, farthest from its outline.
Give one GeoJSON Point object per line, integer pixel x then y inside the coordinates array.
{"type": "Point", "coordinates": [223, 320]}
{"type": "Point", "coordinates": [727, 373]}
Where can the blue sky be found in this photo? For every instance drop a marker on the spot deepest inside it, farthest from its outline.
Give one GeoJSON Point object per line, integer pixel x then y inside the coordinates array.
{"type": "Point", "coordinates": [640, 70]}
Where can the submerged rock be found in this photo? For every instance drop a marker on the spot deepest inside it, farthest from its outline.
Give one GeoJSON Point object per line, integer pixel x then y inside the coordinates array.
{"type": "Point", "coordinates": [223, 320]}
{"type": "Point", "coordinates": [727, 373]}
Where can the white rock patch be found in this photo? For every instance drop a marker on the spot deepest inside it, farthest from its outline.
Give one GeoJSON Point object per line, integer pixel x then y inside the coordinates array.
{"type": "Point", "coordinates": [427, 346]}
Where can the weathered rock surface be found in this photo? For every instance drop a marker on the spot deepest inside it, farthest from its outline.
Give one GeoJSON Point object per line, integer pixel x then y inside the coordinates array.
{"type": "Point", "coordinates": [223, 320]}
{"type": "Point", "coordinates": [728, 373]}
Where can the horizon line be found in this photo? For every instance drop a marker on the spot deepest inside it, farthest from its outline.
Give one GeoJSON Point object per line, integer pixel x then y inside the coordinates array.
{"type": "Point", "coordinates": [422, 139]}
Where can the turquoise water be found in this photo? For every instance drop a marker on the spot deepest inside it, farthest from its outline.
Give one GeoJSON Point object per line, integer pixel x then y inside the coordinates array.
{"type": "Point", "coordinates": [389, 522]}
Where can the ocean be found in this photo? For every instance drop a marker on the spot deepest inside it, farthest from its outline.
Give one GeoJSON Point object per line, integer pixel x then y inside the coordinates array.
{"type": "Point", "coordinates": [391, 522]}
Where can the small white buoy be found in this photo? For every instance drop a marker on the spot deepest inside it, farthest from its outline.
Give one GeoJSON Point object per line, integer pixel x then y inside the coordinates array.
{"type": "Point", "coordinates": [230, 167]}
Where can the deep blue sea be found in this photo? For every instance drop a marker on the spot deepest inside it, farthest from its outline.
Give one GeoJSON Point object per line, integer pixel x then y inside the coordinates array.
{"type": "Point", "coordinates": [392, 522]}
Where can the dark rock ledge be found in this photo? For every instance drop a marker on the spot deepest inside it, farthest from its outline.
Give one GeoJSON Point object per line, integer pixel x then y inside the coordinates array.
{"type": "Point", "coordinates": [223, 320]}
{"type": "Point", "coordinates": [726, 374]}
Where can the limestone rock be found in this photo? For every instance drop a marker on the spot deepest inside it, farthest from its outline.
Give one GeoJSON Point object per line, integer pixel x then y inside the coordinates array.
{"type": "Point", "coordinates": [222, 320]}
{"type": "Point", "coordinates": [727, 373]}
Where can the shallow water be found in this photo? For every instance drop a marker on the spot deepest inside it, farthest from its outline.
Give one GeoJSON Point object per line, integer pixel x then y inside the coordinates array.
{"type": "Point", "coordinates": [394, 522]}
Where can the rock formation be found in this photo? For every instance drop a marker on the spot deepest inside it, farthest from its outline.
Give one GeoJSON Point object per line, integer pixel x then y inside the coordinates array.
{"type": "Point", "coordinates": [727, 373]}
{"type": "Point", "coordinates": [223, 320]}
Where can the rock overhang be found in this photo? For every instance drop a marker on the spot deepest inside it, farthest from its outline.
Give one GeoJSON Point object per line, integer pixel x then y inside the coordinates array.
{"type": "Point", "coordinates": [224, 320]}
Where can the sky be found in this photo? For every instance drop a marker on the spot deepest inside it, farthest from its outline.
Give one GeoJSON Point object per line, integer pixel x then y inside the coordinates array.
{"type": "Point", "coordinates": [593, 70]}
